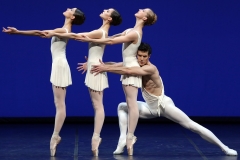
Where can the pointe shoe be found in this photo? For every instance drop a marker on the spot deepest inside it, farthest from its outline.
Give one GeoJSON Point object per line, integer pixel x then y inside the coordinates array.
{"type": "Point", "coordinates": [55, 140]}
{"type": "Point", "coordinates": [230, 152]}
{"type": "Point", "coordinates": [120, 149]}
{"type": "Point", "coordinates": [130, 148]}
{"type": "Point", "coordinates": [95, 151]}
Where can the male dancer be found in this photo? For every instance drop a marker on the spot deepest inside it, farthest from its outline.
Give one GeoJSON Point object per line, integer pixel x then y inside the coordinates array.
{"type": "Point", "coordinates": [157, 103]}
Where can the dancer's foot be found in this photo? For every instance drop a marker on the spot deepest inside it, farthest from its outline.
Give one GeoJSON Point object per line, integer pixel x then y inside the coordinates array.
{"type": "Point", "coordinates": [229, 152]}
{"type": "Point", "coordinates": [120, 147]}
{"type": "Point", "coordinates": [131, 139]}
{"type": "Point", "coordinates": [55, 140]}
{"type": "Point", "coordinates": [95, 144]}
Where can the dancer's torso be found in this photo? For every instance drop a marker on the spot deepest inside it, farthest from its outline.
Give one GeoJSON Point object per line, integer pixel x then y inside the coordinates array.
{"type": "Point", "coordinates": [129, 51]}
{"type": "Point", "coordinates": [96, 50]}
{"type": "Point", "coordinates": [58, 47]}
{"type": "Point", "coordinates": [153, 92]}
{"type": "Point", "coordinates": [153, 83]}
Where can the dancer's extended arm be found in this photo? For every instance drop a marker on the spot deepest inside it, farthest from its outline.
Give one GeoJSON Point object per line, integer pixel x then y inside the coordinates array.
{"type": "Point", "coordinates": [12, 30]}
{"type": "Point", "coordinates": [130, 37]}
{"type": "Point", "coordinates": [118, 35]}
{"type": "Point", "coordinates": [135, 71]}
{"type": "Point", "coordinates": [95, 34]}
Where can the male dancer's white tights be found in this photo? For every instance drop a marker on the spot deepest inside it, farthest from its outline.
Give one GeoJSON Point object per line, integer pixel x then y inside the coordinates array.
{"type": "Point", "coordinates": [171, 112]}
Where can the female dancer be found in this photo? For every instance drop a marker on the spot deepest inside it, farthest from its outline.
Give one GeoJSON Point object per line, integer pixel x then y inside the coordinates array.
{"type": "Point", "coordinates": [131, 39]}
{"type": "Point", "coordinates": [60, 74]}
{"type": "Point", "coordinates": [96, 84]}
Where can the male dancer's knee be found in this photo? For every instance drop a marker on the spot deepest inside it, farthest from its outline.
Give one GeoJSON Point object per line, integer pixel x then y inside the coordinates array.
{"type": "Point", "coordinates": [122, 106]}
{"type": "Point", "coordinates": [168, 101]}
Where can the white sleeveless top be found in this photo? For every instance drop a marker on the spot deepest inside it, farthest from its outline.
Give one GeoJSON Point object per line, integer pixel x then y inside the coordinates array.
{"type": "Point", "coordinates": [60, 74]}
{"type": "Point", "coordinates": [100, 81]}
{"type": "Point", "coordinates": [129, 52]}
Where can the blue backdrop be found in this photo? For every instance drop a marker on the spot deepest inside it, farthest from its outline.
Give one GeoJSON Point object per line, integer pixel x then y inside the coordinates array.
{"type": "Point", "coordinates": [195, 47]}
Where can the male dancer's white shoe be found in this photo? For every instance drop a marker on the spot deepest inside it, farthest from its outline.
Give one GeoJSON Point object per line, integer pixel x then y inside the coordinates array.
{"type": "Point", "coordinates": [229, 152]}
{"type": "Point", "coordinates": [120, 147]}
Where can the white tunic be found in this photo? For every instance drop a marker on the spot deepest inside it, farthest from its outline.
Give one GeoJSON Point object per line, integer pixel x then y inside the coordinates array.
{"type": "Point", "coordinates": [129, 52]}
{"type": "Point", "coordinates": [100, 81]}
{"type": "Point", "coordinates": [60, 74]}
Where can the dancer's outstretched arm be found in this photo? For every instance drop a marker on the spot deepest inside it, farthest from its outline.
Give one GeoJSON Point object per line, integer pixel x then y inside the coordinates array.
{"type": "Point", "coordinates": [12, 30]}
{"type": "Point", "coordinates": [118, 35]}
{"type": "Point", "coordinates": [95, 34]}
{"type": "Point", "coordinates": [130, 37]}
{"type": "Point", "coordinates": [135, 71]}
{"type": "Point", "coordinates": [117, 64]}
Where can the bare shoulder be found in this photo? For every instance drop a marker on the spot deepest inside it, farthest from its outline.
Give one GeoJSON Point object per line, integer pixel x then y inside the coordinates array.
{"type": "Point", "coordinates": [128, 29]}
{"type": "Point", "coordinates": [154, 68]}
{"type": "Point", "coordinates": [150, 68]}
{"type": "Point", "coordinates": [96, 31]}
{"type": "Point", "coordinates": [125, 31]}
{"type": "Point", "coordinates": [94, 34]}
{"type": "Point", "coordinates": [59, 30]}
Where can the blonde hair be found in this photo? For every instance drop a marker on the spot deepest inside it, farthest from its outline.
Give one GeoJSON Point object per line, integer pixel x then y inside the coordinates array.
{"type": "Point", "coordinates": [151, 18]}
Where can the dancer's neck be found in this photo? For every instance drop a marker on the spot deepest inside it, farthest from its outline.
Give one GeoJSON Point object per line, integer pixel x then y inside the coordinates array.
{"type": "Point", "coordinates": [105, 26]}
{"type": "Point", "coordinates": [139, 24]}
{"type": "Point", "coordinates": [67, 24]}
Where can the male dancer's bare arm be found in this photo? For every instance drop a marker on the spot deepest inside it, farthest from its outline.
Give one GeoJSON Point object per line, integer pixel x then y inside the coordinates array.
{"type": "Point", "coordinates": [134, 71]}
{"type": "Point", "coordinates": [83, 66]}
{"type": "Point", "coordinates": [117, 64]}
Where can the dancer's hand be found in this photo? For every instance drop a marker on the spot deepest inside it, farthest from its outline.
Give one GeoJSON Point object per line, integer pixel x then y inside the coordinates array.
{"type": "Point", "coordinates": [42, 34]}
{"type": "Point", "coordinates": [99, 68]}
{"type": "Point", "coordinates": [48, 34]}
{"type": "Point", "coordinates": [10, 30]}
{"type": "Point", "coordinates": [82, 66]}
{"type": "Point", "coordinates": [83, 38]}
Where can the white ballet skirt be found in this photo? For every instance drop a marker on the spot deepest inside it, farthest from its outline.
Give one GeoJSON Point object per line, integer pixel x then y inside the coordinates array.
{"type": "Point", "coordinates": [60, 74]}
{"type": "Point", "coordinates": [129, 51]}
{"type": "Point", "coordinates": [96, 82]}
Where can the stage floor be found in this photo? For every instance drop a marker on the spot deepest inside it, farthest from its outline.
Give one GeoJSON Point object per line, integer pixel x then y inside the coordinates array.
{"type": "Point", "coordinates": [154, 142]}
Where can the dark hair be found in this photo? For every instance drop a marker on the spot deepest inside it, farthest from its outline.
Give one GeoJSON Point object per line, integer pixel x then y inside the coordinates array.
{"type": "Point", "coordinates": [151, 19]}
{"type": "Point", "coordinates": [116, 18]}
{"type": "Point", "coordinates": [79, 17]}
{"type": "Point", "coordinates": [144, 47]}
